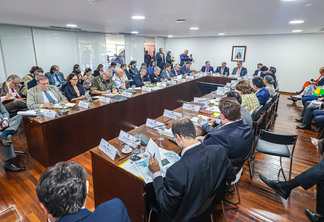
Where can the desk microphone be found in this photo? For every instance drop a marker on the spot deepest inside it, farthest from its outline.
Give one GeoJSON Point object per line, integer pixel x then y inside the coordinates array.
{"type": "Point", "coordinates": [145, 139]}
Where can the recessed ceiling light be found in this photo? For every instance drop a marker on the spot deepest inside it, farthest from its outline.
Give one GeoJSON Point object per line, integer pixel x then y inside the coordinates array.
{"type": "Point", "coordinates": [194, 28]}
{"type": "Point", "coordinates": [297, 30]}
{"type": "Point", "coordinates": [71, 25]}
{"type": "Point", "coordinates": [138, 17]}
{"type": "Point", "coordinates": [296, 22]}
{"type": "Point", "coordinates": [134, 32]}
{"type": "Point", "coordinates": [91, 1]}
{"type": "Point", "coordinates": [170, 36]}
{"type": "Point", "coordinates": [181, 21]}
{"type": "Point", "coordinates": [221, 33]}
{"type": "Point", "coordinates": [307, 5]}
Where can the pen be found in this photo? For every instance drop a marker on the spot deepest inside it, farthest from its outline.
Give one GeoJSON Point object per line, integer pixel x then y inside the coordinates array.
{"type": "Point", "coordinates": [126, 156]}
{"type": "Point", "coordinates": [154, 155]}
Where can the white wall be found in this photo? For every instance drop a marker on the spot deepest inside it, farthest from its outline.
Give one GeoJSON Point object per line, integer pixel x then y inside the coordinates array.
{"type": "Point", "coordinates": [134, 49]}
{"type": "Point", "coordinates": [160, 42]}
{"type": "Point", "coordinates": [296, 57]}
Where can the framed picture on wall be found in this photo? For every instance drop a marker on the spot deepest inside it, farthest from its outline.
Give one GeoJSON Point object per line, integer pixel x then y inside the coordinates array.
{"type": "Point", "coordinates": [238, 53]}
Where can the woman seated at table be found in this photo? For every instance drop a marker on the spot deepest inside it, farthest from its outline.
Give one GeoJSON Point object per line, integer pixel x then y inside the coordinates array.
{"type": "Point", "coordinates": [73, 91]}
{"type": "Point", "coordinates": [87, 78]}
{"type": "Point", "coordinates": [150, 69]}
{"type": "Point", "coordinates": [249, 100]}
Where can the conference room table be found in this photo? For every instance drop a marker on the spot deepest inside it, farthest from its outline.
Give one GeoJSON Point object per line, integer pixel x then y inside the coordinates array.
{"type": "Point", "coordinates": [111, 181]}
{"type": "Point", "coordinates": [60, 139]}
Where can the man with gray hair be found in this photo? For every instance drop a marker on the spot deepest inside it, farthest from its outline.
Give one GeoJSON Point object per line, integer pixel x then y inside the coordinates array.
{"type": "Point", "coordinates": [103, 84]}
{"type": "Point", "coordinates": [119, 78]}
{"type": "Point", "coordinates": [155, 76]}
{"type": "Point", "coordinates": [12, 93]}
{"type": "Point", "coordinates": [223, 70]}
{"type": "Point", "coordinates": [175, 70]}
{"type": "Point", "coordinates": [33, 83]}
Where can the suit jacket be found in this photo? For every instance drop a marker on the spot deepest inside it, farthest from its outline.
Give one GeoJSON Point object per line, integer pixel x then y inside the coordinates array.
{"type": "Point", "coordinates": [70, 93]}
{"type": "Point", "coordinates": [210, 69]}
{"type": "Point", "coordinates": [155, 78]}
{"type": "Point", "coordinates": [184, 58]}
{"type": "Point", "coordinates": [225, 72]}
{"type": "Point", "coordinates": [138, 81]}
{"type": "Point", "coordinates": [192, 180]}
{"type": "Point", "coordinates": [159, 61]}
{"type": "Point", "coordinates": [238, 150]}
{"type": "Point", "coordinates": [174, 72]}
{"type": "Point", "coordinates": [4, 90]}
{"type": "Point", "coordinates": [110, 211]}
{"type": "Point", "coordinates": [32, 83]}
{"type": "Point", "coordinates": [263, 95]}
{"type": "Point", "coordinates": [242, 73]}
{"type": "Point", "coordinates": [184, 70]}
{"type": "Point", "coordinates": [51, 78]}
{"type": "Point", "coordinates": [35, 96]}
{"type": "Point", "coordinates": [164, 74]}
{"type": "Point", "coordinates": [132, 72]}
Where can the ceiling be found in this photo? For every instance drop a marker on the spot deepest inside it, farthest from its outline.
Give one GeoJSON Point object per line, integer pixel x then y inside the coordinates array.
{"type": "Point", "coordinates": [234, 17]}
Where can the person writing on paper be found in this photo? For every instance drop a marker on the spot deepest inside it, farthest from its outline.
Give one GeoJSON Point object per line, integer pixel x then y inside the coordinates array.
{"type": "Point", "coordinates": [175, 70]}
{"type": "Point", "coordinates": [246, 117]}
{"type": "Point", "coordinates": [234, 134]}
{"type": "Point", "coordinates": [166, 74]}
{"type": "Point", "coordinates": [223, 70]}
{"type": "Point", "coordinates": [180, 195]}
{"type": "Point", "coordinates": [62, 191]}
{"type": "Point", "coordinates": [140, 80]}
{"type": "Point", "coordinates": [155, 76]}
{"type": "Point", "coordinates": [103, 84]}
{"type": "Point", "coordinates": [119, 79]}
{"type": "Point", "coordinates": [44, 95]}
{"type": "Point", "coordinates": [73, 91]}
{"type": "Point", "coordinates": [185, 69]}
{"type": "Point", "coordinates": [12, 94]}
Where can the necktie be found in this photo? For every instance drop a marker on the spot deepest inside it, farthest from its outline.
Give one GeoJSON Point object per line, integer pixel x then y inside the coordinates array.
{"type": "Point", "coordinates": [13, 91]}
{"type": "Point", "coordinates": [168, 74]}
{"type": "Point", "coordinates": [238, 72]}
{"type": "Point", "coordinates": [50, 99]}
{"type": "Point", "coordinates": [222, 71]}
{"type": "Point", "coordinates": [57, 78]}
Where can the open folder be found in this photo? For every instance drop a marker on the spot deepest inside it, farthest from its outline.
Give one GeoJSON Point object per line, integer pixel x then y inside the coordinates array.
{"type": "Point", "coordinates": [166, 158]}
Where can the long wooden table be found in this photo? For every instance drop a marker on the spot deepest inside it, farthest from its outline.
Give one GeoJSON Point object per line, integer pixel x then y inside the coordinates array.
{"type": "Point", "coordinates": [60, 139]}
{"type": "Point", "coordinates": [111, 181]}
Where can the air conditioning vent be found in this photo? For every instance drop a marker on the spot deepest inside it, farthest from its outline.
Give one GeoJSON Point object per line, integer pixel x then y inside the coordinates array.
{"type": "Point", "coordinates": [64, 28]}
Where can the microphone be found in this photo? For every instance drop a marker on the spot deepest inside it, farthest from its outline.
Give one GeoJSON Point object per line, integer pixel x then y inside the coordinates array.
{"type": "Point", "coordinates": [145, 139]}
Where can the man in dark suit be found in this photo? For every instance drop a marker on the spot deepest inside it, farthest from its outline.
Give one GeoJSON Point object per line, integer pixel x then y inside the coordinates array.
{"type": "Point", "coordinates": [155, 76]}
{"type": "Point", "coordinates": [239, 70]}
{"type": "Point", "coordinates": [12, 94]}
{"type": "Point", "coordinates": [55, 77]}
{"type": "Point", "coordinates": [258, 71]}
{"type": "Point", "coordinates": [261, 92]}
{"type": "Point", "coordinates": [307, 179]}
{"type": "Point", "coordinates": [185, 58]}
{"type": "Point", "coordinates": [194, 179]}
{"type": "Point", "coordinates": [33, 83]}
{"type": "Point", "coordinates": [223, 69]}
{"type": "Point", "coordinates": [140, 79]}
{"type": "Point", "coordinates": [133, 71]}
{"type": "Point", "coordinates": [207, 67]}
{"type": "Point", "coordinates": [185, 69]}
{"type": "Point", "coordinates": [160, 59]}
{"type": "Point", "coordinates": [175, 71]}
{"type": "Point", "coordinates": [264, 70]}
{"type": "Point", "coordinates": [234, 134]}
{"type": "Point", "coordinates": [66, 185]}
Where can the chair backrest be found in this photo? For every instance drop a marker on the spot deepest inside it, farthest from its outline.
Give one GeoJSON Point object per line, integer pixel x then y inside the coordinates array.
{"type": "Point", "coordinates": [207, 87]}
{"type": "Point", "coordinates": [267, 104]}
{"type": "Point", "coordinates": [278, 138]}
{"type": "Point", "coordinates": [257, 112]}
{"type": "Point", "coordinates": [274, 96]}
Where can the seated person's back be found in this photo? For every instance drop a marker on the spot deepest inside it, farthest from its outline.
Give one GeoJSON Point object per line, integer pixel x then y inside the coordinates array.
{"type": "Point", "coordinates": [195, 178]}
{"type": "Point", "coordinates": [66, 185]}
{"type": "Point", "coordinates": [235, 135]}
{"type": "Point", "coordinates": [249, 100]}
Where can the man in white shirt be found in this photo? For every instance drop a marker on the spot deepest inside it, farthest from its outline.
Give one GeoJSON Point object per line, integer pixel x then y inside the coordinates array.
{"type": "Point", "coordinates": [12, 94]}
{"type": "Point", "coordinates": [119, 79]}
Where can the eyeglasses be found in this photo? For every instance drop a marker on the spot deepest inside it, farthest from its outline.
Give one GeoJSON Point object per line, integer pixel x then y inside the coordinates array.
{"type": "Point", "coordinates": [74, 79]}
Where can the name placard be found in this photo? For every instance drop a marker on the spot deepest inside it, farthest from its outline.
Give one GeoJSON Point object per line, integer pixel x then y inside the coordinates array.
{"type": "Point", "coordinates": [153, 123]}
{"type": "Point", "coordinates": [50, 114]}
{"type": "Point", "coordinates": [161, 84]}
{"type": "Point", "coordinates": [189, 106]}
{"type": "Point", "coordinates": [146, 89]}
{"type": "Point", "coordinates": [108, 149]}
{"type": "Point", "coordinates": [127, 94]}
{"type": "Point", "coordinates": [171, 114]}
{"type": "Point", "coordinates": [190, 77]}
{"type": "Point", "coordinates": [84, 104]}
{"type": "Point", "coordinates": [103, 99]}
{"type": "Point", "coordinates": [127, 138]}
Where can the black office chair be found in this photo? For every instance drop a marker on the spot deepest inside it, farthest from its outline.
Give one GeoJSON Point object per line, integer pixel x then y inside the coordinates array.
{"type": "Point", "coordinates": [234, 184]}
{"type": "Point", "coordinates": [277, 145]}
{"type": "Point", "coordinates": [206, 87]}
